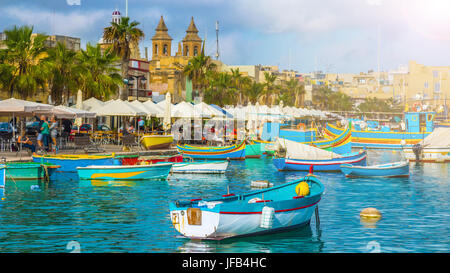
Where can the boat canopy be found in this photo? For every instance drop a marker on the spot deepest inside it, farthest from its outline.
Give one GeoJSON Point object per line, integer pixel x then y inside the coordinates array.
{"type": "Point", "coordinates": [298, 150]}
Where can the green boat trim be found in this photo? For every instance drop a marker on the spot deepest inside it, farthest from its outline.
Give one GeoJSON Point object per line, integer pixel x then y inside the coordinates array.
{"type": "Point", "coordinates": [28, 170]}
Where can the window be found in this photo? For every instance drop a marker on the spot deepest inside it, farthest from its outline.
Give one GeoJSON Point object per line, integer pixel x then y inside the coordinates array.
{"type": "Point", "coordinates": [187, 51]}
{"type": "Point", "coordinates": [437, 87]}
{"type": "Point", "coordinates": [435, 73]}
{"type": "Point", "coordinates": [165, 51]}
{"type": "Point", "coordinates": [156, 49]}
{"type": "Point", "coordinates": [195, 50]}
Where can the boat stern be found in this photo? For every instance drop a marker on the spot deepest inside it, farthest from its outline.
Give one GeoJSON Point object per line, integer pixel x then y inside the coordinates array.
{"type": "Point", "coordinates": [194, 222]}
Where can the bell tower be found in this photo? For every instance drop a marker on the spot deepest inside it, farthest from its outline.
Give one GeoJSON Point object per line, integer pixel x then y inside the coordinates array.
{"type": "Point", "coordinates": [192, 43]}
{"type": "Point", "coordinates": [161, 41]}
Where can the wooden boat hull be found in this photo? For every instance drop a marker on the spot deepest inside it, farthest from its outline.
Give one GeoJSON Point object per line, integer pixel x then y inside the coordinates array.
{"type": "Point", "coordinates": [340, 144]}
{"type": "Point", "coordinates": [29, 171]}
{"type": "Point", "coordinates": [380, 140]}
{"type": "Point", "coordinates": [429, 155]}
{"type": "Point", "coordinates": [155, 142]}
{"type": "Point", "coordinates": [324, 165]}
{"type": "Point", "coordinates": [253, 150]}
{"type": "Point", "coordinates": [201, 167]}
{"type": "Point", "coordinates": [133, 172]}
{"type": "Point", "coordinates": [267, 147]}
{"type": "Point", "coordinates": [233, 152]}
{"type": "Point", "coordinates": [397, 169]}
{"type": "Point", "coordinates": [69, 163]}
{"type": "Point", "coordinates": [2, 175]}
{"type": "Point", "coordinates": [235, 215]}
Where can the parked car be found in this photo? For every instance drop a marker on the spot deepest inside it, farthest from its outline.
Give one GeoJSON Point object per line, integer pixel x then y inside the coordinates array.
{"type": "Point", "coordinates": [32, 127]}
{"type": "Point", "coordinates": [86, 127]}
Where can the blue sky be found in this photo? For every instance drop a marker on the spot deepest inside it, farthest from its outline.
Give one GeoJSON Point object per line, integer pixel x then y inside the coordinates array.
{"type": "Point", "coordinates": [329, 35]}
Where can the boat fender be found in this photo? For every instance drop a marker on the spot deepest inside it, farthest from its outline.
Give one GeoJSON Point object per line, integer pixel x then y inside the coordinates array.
{"type": "Point", "coordinates": [267, 216]}
{"type": "Point", "coordinates": [253, 200]}
{"type": "Point", "coordinates": [302, 189]}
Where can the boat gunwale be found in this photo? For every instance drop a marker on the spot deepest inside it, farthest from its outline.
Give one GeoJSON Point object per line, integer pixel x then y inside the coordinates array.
{"type": "Point", "coordinates": [113, 167]}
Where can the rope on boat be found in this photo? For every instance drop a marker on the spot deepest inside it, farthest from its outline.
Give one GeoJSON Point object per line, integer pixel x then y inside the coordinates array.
{"type": "Point", "coordinates": [46, 175]}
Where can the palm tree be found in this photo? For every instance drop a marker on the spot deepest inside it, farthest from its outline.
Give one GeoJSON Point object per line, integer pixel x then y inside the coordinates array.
{"type": "Point", "coordinates": [197, 70]}
{"type": "Point", "coordinates": [269, 84]}
{"type": "Point", "coordinates": [21, 61]}
{"type": "Point", "coordinates": [253, 91]}
{"type": "Point", "coordinates": [61, 68]}
{"type": "Point", "coordinates": [296, 92]}
{"type": "Point", "coordinates": [121, 35]}
{"type": "Point", "coordinates": [96, 74]}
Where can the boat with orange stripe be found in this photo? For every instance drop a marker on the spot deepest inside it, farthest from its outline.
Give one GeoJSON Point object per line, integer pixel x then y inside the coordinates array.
{"type": "Point", "coordinates": [125, 172]}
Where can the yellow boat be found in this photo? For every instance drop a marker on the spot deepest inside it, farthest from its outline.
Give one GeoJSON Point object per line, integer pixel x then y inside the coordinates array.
{"type": "Point", "coordinates": [153, 142]}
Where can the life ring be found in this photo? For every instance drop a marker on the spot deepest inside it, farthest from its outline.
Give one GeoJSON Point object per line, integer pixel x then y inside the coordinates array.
{"type": "Point", "coordinates": [301, 126]}
{"type": "Point", "coordinates": [430, 117]}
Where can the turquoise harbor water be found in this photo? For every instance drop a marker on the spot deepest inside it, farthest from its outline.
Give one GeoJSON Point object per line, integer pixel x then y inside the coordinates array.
{"type": "Point", "coordinates": [134, 216]}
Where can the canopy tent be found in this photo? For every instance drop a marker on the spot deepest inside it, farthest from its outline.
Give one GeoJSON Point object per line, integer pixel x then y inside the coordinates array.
{"type": "Point", "coordinates": [186, 110]}
{"type": "Point", "coordinates": [226, 113]}
{"type": "Point", "coordinates": [91, 104]}
{"type": "Point", "coordinates": [153, 108]}
{"type": "Point", "coordinates": [208, 110]}
{"type": "Point", "coordinates": [439, 138]}
{"type": "Point", "coordinates": [16, 107]}
{"type": "Point", "coordinates": [120, 108]}
{"type": "Point", "coordinates": [57, 112]}
{"type": "Point", "coordinates": [78, 112]}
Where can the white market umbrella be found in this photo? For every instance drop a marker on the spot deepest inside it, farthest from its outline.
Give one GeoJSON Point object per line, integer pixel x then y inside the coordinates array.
{"type": "Point", "coordinates": [167, 123]}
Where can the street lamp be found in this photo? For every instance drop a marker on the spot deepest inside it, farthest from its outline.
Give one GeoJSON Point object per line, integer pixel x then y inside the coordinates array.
{"type": "Point", "coordinates": [130, 81]}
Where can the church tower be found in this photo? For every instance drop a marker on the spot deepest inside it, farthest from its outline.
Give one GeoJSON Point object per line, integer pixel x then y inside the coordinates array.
{"type": "Point", "coordinates": [192, 43]}
{"type": "Point", "coordinates": [116, 17]}
{"type": "Point", "coordinates": [161, 41]}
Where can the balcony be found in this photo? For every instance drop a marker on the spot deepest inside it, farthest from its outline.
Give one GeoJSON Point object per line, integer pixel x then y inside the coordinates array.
{"type": "Point", "coordinates": [143, 93]}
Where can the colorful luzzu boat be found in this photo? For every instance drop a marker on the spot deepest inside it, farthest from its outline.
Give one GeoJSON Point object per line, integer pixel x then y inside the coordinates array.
{"type": "Point", "coordinates": [233, 152]}
{"type": "Point", "coordinates": [29, 170]}
{"type": "Point", "coordinates": [69, 163]}
{"type": "Point", "coordinates": [2, 175]}
{"type": "Point", "coordinates": [212, 167]}
{"type": "Point", "coordinates": [378, 139]}
{"type": "Point", "coordinates": [267, 147]}
{"type": "Point", "coordinates": [396, 169]}
{"type": "Point", "coordinates": [128, 172]}
{"type": "Point", "coordinates": [294, 156]}
{"type": "Point", "coordinates": [279, 208]}
{"type": "Point", "coordinates": [340, 144]}
{"type": "Point", "coordinates": [253, 150]}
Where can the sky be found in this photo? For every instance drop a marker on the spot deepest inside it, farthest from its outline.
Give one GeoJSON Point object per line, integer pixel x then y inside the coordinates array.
{"type": "Point", "coordinates": [334, 36]}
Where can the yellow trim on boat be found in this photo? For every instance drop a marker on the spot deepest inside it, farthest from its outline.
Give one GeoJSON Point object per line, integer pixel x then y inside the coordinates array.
{"type": "Point", "coordinates": [116, 175]}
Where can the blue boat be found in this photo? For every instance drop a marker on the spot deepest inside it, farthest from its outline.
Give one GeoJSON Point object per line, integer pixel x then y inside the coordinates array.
{"type": "Point", "coordinates": [125, 172]}
{"type": "Point", "coordinates": [2, 175]}
{"type": "Point", "coordinates": [323, 165]}
{"type": "Point", "coordinates": [396, 169]}
{"type": "Point", "coordinates": [69, 163]}
{"type": "Point", "coordinates": [280, 208]}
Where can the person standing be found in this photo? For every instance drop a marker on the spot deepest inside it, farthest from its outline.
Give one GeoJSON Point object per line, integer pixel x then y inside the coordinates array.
{"type": "Point", "coordinates": [45, 133]}
{"type": "Point", "coordinates": [39, 131]}
{"type": "Point", "coordinates": [54, 133]}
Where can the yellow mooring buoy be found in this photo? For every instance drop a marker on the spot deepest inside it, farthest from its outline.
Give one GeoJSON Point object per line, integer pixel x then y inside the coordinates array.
{"type": "Point", "coordinates": [372, 213]}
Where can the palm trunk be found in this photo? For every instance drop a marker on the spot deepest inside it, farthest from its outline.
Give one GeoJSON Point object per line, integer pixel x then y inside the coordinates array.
{"type": "Point", "coordinates": [123, 95]}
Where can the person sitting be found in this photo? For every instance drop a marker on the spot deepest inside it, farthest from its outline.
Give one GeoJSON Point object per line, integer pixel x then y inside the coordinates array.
{"type": "Point", "coordinates": [26, 142]}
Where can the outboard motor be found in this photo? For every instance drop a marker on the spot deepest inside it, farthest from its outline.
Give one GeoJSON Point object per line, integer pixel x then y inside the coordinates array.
{"type": "Point", "coordinates": [417, 149]}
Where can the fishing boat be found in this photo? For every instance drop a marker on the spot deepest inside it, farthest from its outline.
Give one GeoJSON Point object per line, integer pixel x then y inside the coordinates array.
{"type": "Point", "coordinates": [128, 172]}
{"type": "Point", "coordinates": [435, 148]}
{"type": "Point", "coordinates": [396, 169]}
{"type": "Point", "coordinates": [340, 144]}
{"type": "Point", "coordinates": [69, 163]}
{"type": "Point", "coordinates": [267, 147]}
{"type": "Point", "coordinates": [253, 150]}
{"type": "Point", "coordinates": [212, 167]}
{"type": "Point", "coordinates": [418, 126]}
{"type": "Point", "coordinates": [29, 170]}
{"type": "Point", "coordinates": [154, 142]}
{"type": "Point", "coordinates": [2, 175]}
{"type": "Point", "coordinates": [294, 156]}
{"type": "Point", "coordinates": [275, 209]}
{"type": "Point", "coordinates": [160, 158]}
{"type": "Point", "coordinates": [233, 152]}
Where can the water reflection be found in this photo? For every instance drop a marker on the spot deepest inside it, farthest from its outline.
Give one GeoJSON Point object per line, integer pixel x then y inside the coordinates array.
{"type": "Point", "coordinates": [297, 240]}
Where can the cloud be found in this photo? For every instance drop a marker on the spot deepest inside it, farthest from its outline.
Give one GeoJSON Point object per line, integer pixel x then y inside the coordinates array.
{"type": "Point", "coordinates": [73, 23]}
{"type": "Point", "coordinates": [73, 2]}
